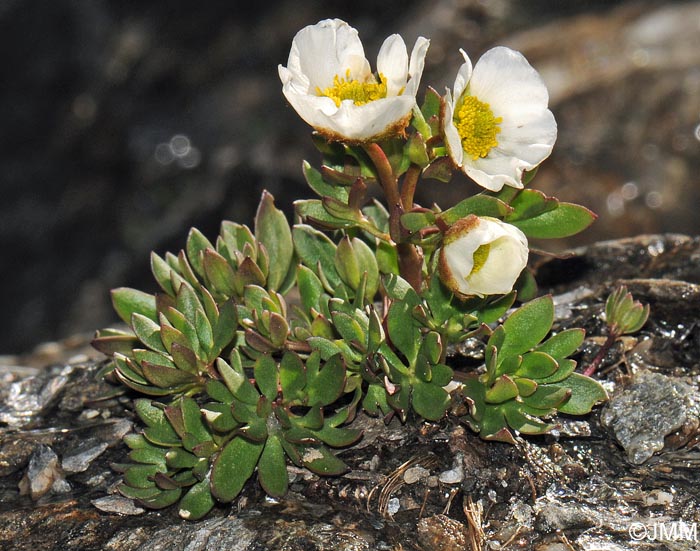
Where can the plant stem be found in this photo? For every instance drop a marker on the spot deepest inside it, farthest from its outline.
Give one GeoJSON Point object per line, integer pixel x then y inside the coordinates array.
{"type": "Point", "coordinates": [410, 259]}
{"type": "Point", "coordinates": [595, 364]}
{"type": "Point", "coordinates": [388, 180]}
{"type": "Point", "coordinates": [408, 189]}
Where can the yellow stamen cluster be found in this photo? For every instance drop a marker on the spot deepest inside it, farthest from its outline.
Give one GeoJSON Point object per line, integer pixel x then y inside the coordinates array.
{"type": "Point", "coordinates": [480, 256]}
{"type": "Point", "coordinates": [477, 126]}
{"type": "Point", "coordinates": [359, 92]}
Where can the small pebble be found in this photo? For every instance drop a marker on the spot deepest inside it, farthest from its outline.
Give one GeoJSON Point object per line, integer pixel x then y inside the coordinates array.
{"type": "Point", "coordinates": [117, 504]}
{"type": "Point", "coordinates": [414, 474]}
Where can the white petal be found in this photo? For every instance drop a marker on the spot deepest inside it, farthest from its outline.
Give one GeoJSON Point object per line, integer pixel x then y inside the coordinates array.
{"type": "Point", "coordinates": [505, 80]}
{"type": "Point", "coordinates": [531, 142]}
{"type": "Point", "coordinates": [416, 65]}
{"type": "Point", "coordinates": [494, 171]}
{"type": "Point", "coordinates": [322, 51]}
{"type": "Point", "coordinates": [392, 63]}
{"type": "Point", "coordinates": [503, 265]}
{"type": "Point", "coordinates": [463, 76]}
{"type": "Point", "coordinates": [452, 140]}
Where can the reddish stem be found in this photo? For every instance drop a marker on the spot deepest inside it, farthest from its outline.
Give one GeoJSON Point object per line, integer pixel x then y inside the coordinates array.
{"type": "Point", "coordinates": [595, 364]}
{"type": "Point", "coordinates": [408, 188]}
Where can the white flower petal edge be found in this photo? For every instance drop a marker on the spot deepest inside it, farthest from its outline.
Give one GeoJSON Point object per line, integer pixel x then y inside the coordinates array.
{"type": "Point", "coordinates": [515, 92]}
{"type": "Point", "coordinates": [332, 48]}
{"type": "Point", "coordinates": [498, 266]}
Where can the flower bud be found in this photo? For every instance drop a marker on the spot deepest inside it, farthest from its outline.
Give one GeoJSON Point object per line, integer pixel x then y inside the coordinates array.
{"type": "Point", "coordinates": [482, 256]}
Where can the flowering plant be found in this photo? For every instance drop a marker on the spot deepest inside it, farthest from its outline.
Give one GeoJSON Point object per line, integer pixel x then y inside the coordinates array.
{"type": "Point", "coordinates": [242, 378]}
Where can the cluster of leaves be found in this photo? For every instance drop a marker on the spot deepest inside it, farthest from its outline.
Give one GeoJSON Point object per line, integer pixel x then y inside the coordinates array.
{"type": "Point", "coordinates": [242, 378]}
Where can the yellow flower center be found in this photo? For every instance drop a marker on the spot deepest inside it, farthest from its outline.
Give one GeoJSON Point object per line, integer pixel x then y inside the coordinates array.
{"type": "Point", "coordinates": [359, 92]}
{"type": "Point", "coordinates": [480, 256]}
{"type": "Point", "coordinates": [476, 126]}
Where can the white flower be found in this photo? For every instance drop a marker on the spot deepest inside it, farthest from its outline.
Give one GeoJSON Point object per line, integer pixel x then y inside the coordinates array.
{"type": "Point", "coordinates": [497, 124]}
{"type": "Point", "coordinates": [329, 83]}
{"type": "Point", "coordinates": [482, 256]}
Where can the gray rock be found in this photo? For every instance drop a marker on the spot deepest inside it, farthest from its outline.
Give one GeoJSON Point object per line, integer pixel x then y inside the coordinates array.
{"type": "Point", "coordinates": [644, 413]}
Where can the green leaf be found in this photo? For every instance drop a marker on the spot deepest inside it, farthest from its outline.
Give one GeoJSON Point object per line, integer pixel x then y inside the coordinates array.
{"type": "Point", "coordinates": [431, 104]}
{"type": "Point", "coordinates": [416, 221]}
{"type": "Point", "coordinates": [585, 393]}
{"type": "Point", "coordinates": [272, 230]}
{"type": "Point", "coordinates": [310, 288]}
{"type": "Point", "coordinates": [321, 461]}
{"type": "Point", "coordinates": [494, 426]}
{"type": "Point", "coordinates": [149, 454]}
{"type": "Point", "coordinates": [165, 498]}
{"type": "Point", "coordinates": [166, 377]}
{"type": "Point", "coordinates": [315, 248]}
{"type": "Point", "coordinates": [313, 211]}
{"type": "Point", "coordinates": [480, 205]}
{"type": "Point", "coordinates": [348, 327]}
{"type": "Point", "coordinates": [527, 326]}
{"type": "Point", "coordinates": [177, 458]}
{"type": "Point", "coordinates": [563, 344]}
{"type": "Point", "coordinates": [430, 401]}
{"type": "Point", "coordinates": [522, 422]}
{"type": "Point", "coordinates": [236, 380]}
{"type": "Point", "coordinates": [566, 368]}
{"type": "Point", "coordinates": [197, 502]}
{"type": "Point", "coordinates": [233, 467]}
{"type": "Point", "coordinates": [225, 327]}
{"type": "Point", "coordinates": [537, 365]}
{"type": "Point", "coordinates": [320, 186]}
{"type": "Point", "coordinates": [219, 273]}
{"type": "Point", "coordinates": [272, 468]}
{"type": "Point", "coordinates": [327, 386]}
{"type": "Point", "coordinates": [265, 371]}
{"type": "Point", "coordinates": [196, 245]}
{"type": "Point", "coordinates": [193, 420]}
{"type": "Point", "coordinates": [161, 271]}
{"type": "Point", "coordinates": [526, 387]}
{"type": "Point", "coordinates": [502, 390]}
{"type": "Point", "coordinates": [566, 220]}
{"type": "Point", "coordinates": [205, 333]}
{"type": "Point", "coordinates": [128, 302]}
{"type": "Point", "coordinates": [148, 332]}
{"type": "Point", "coordinates": [375, 401]}
{"type": "Point", "coordinates": [529, 203]}
{"type": "Point", "coordinates": [496, 309]}
{"type": "Point", "coordinates": [403, 333]}
{"type": "Point", "coordinates": [547, 396]}
{"type": "Point", "coordinates": [141, 476]}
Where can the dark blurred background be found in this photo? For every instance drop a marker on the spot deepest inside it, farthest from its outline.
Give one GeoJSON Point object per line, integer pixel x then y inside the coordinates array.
{"type": "Point", "coordinates": [123, 123]}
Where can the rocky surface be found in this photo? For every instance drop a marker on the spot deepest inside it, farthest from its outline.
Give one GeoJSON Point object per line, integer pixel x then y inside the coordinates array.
{"type": "Point", "coordinates": [124, 123]}
{"type": "Point", "coordinates": [413, 487]}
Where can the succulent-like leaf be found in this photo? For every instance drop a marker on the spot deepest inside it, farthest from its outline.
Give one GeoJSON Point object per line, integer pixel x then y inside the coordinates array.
{"type": "Point", "coordinates": [197, 243]}
{"type": "Point", "coordinates": [272, 230]}
{"type": "Point", "coordinates": [315, 248]}
{"type": "Point", "coordinates": [327, 386]}
{"type": "Point", "coordinates": [563, 344]}
{"type": "Point", "coordinates": [127, 302]}
{"type": "Point", "coordinates": [266, 376]}
{"type": "Point", "coordinates": [527, 326]}
{"type": "Point", "coordinates": [321, 461]}
{"type": "Point", "coordinates": [429, 400]}
{"type": "Point", "coordinates": [233, 467]}
{"type": "Point", "coordinates": [585, 393]}
{"type": "Point", "coordinates": [197, 502]}
{"type": "Point", "coordinates": [479, 205]}
{"type": "Point", "coordinates": [565, 220]}
{"type": "Point", "coordinates": [272, 468]}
